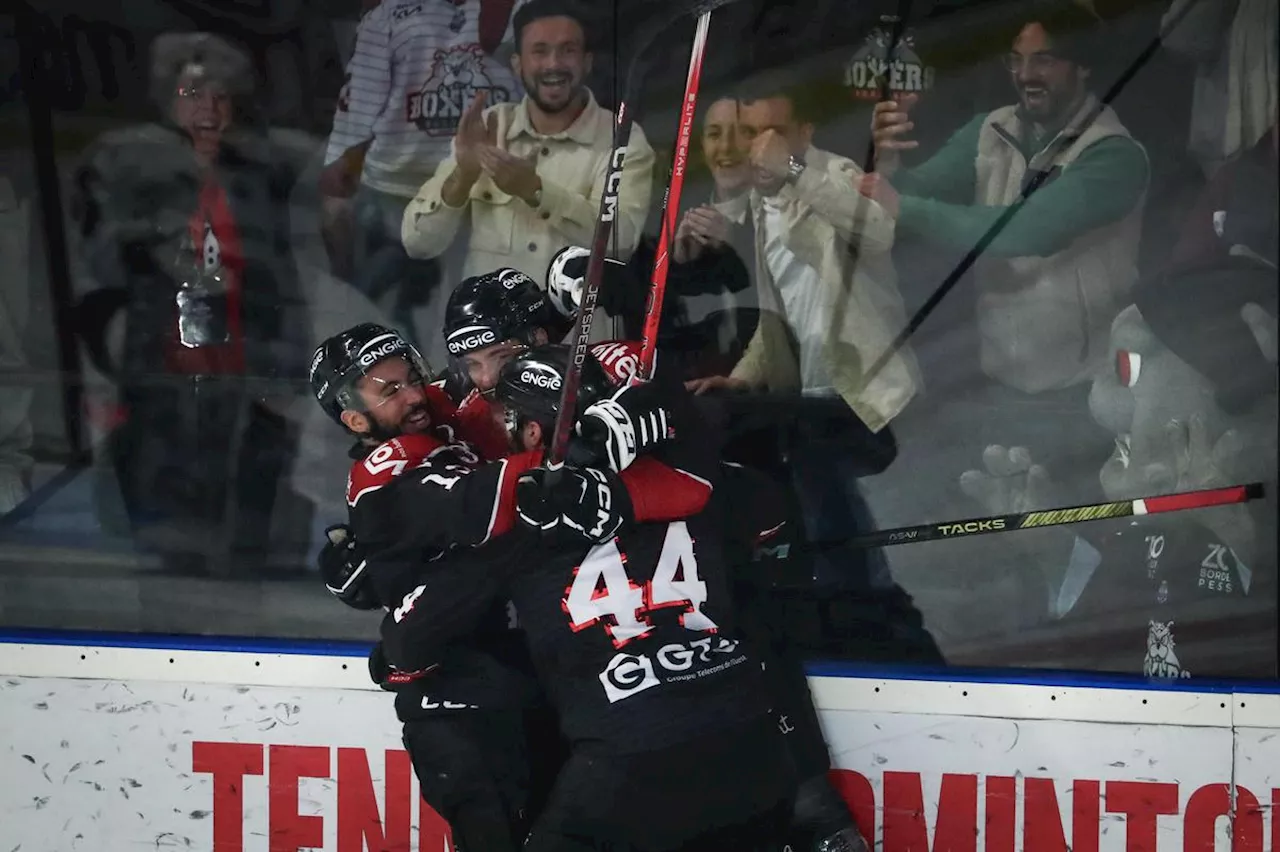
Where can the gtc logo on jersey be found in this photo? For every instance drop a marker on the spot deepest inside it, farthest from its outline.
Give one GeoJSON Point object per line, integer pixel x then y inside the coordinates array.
{"type": "Point", "coordinates": [628, 674]}
{"type": "Point", "coordinates": [868, 66]}
{"type": "Point", "coordinates": [456, 76]}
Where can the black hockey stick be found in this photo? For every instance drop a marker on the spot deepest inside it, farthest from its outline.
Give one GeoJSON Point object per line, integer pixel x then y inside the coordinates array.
{"type": "Point", "coordinates": [604, 227]}
{"type": "Point", "coordinates": [1046, 518]}
{"type": "Point", "coordinates": [1037, 180]}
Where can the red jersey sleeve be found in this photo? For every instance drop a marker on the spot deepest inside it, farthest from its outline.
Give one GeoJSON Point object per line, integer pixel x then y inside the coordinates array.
{"type": "Point", "coordinates": [477, 424]}
{"type": "Point", "coordinates": [390, 459]}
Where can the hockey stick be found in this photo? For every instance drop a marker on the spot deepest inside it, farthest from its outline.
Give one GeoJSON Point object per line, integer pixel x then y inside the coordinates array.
{"type": "Point", "coordinates": [1037, 180]}
{"type": "Point", "coordinates": [1047, 518]}
{"type": "Point", "coordinates": [604, 227]}
{"type": "Point", "coordinates": [671, 204]}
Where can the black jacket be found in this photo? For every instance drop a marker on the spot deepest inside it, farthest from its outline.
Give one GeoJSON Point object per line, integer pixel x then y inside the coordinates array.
{"type": "Point", "coordinates": [135, 194]}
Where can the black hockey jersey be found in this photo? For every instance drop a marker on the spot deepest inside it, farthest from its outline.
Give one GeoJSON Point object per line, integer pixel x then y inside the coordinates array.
{"type": "Point", "coordinates": [636, 641]}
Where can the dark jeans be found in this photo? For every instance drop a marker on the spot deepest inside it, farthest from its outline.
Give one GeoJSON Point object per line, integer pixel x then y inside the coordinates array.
{"type": "Point", "coordinates": [383, 270]}
{"type": "Point", "coordinates": [199, 462]}
{"type": "Point", "coordinates": [827, 454]}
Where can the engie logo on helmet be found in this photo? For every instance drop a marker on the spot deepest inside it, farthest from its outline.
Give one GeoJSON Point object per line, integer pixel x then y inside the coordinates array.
{"type": "Point", "coordinates": [509, 278]}
{"type": "Point", "coordinates": [316, 359]}
{"type": "Point", "coordinates": [471, 338]}
{"type": "Point", "coordinates": [540, 377]}
{"type": "Point", "coordinates": [373, 356]}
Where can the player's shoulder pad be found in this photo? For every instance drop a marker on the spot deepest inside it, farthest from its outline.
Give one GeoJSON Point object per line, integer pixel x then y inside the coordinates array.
{"type": "Point", "coordinates": [388, 460]}
{"type": "Point", "coordinates": [620, 359]}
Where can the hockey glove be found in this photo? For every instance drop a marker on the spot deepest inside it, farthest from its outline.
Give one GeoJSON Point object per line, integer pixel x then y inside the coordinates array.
{"type": "Point", "coordinates": [388, 676]}
{"type": "Point", "coordinates": [627, 424]}
{"type": "Point", "coordinates": [585, 505]}
{"type": "Point", "coordinates": [343, 569]}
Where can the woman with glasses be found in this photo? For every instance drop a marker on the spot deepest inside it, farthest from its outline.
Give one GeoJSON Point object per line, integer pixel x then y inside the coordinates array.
{"type": "Point", "coordinates": [185, 226]}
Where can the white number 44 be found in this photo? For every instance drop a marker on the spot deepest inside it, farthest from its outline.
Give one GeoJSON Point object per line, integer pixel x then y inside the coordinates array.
{"type": "Point", "coordinates": [675, 583]}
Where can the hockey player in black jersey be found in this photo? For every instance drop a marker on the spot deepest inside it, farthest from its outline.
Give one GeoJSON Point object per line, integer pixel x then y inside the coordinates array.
{"type": "Point", "coordinates": [461, 712]}
{"type": "Point", "coordinates": [636, 641]}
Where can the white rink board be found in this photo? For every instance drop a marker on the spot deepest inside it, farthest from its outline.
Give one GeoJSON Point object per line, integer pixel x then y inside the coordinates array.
{"type": "Point", "coordinates": [107, 765]}
{"type": "Point", "coordinates": [124, 764]}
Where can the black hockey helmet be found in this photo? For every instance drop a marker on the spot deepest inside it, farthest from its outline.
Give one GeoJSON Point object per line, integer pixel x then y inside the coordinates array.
{"type": "Point", "coordinates": [530, 385]}
{"type": "Point", "coordinates": [486, 309]}
{"type": "Point", "coordinates": [340, 361]}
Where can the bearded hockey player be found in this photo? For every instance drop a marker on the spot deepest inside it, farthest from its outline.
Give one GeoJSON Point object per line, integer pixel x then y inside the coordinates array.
{"type": "Point", "coordinates": [462, 713]}
{"type": "Point", "coordinates": [635, 638]}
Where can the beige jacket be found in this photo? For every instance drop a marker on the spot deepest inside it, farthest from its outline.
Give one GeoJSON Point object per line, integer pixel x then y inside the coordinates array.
{"type": "Point", "coordinates": [1045, 322]}
{"type": "Point", "coordinates": [860, 293]}
{"type": "Point", "coordinates": [505, 231]}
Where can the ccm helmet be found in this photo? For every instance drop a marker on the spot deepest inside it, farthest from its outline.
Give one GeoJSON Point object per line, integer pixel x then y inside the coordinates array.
{"type": "Point", "coordinates": [486, 309]}
{"type": "Point", "coordinates": [343, 359]}
{"type": "Point", "coordinates": [530, 384]}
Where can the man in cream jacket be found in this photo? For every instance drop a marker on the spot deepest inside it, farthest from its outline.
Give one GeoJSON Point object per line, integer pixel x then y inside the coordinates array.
{"type": "Point", "coordinates": [830, 308]}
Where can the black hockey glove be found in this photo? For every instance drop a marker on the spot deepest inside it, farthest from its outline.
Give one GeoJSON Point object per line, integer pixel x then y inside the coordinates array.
{"type": "Point", "coordinates": [586, 505]}
{"type": "Point", "coordinates": [388, 676]}
{"type": "Point", "coordinates": [343, 569]}
{"type": "Point", "coordinates": [627, 424]}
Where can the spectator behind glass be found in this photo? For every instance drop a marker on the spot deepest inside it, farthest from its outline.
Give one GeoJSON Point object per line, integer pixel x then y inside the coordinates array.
{"type": "Point", "coordinates": [709, 310]}
{"type": "Point", "coordinates": [1236, 47]}
{"type": "Point", "coordinates": [813, 238]}
{"type": "Point", "coordinates": [528, 175]}
{"type": "Point", "coordinates": [414, 67]}
{"type": "Point", "coordinates": [1054, 277]}
{"type": "Point", "coordinates": [185, 224]}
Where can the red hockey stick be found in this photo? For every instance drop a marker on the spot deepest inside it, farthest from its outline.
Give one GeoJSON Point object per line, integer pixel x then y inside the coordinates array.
{"type": "Point", "coordinates": [604, 227]}
{"type": "Point", "coordinates": [671, 204]}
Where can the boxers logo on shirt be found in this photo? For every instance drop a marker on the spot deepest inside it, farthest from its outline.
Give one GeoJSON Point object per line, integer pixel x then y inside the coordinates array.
{"type": "Point", "coordinates": [456, 76]}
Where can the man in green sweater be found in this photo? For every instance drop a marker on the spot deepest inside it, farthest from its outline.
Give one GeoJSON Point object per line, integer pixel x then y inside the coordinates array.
{"type": "Point", "coordinates": [1053, 278]}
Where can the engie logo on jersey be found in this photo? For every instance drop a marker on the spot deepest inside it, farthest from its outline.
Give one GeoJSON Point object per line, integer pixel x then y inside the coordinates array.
{"type": "Point", "coordinates": [630, 674]}
{"type": "Point", "coordinates": [541, 377]}
{"type": "Point", "coordinates": [907, 74]}
{"type": "Point", "coordinates": [456, 76]}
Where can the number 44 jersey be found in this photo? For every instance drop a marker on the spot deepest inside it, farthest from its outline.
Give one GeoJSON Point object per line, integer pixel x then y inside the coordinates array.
{"type": "Point", "coordinates": [635, 640]}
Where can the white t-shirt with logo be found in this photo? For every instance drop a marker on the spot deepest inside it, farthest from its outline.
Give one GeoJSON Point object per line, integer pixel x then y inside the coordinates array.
{"type": "Point", "coordinates": [415, 67]}
{"type": "Point", "coordinates": [800, 287]}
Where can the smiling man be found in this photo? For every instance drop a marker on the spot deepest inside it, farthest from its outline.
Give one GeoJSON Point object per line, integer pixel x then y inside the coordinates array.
{"type": "Point", "coordinates": [1064, 264]}
{"type": "Point", "coordinates": [528, 176]}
